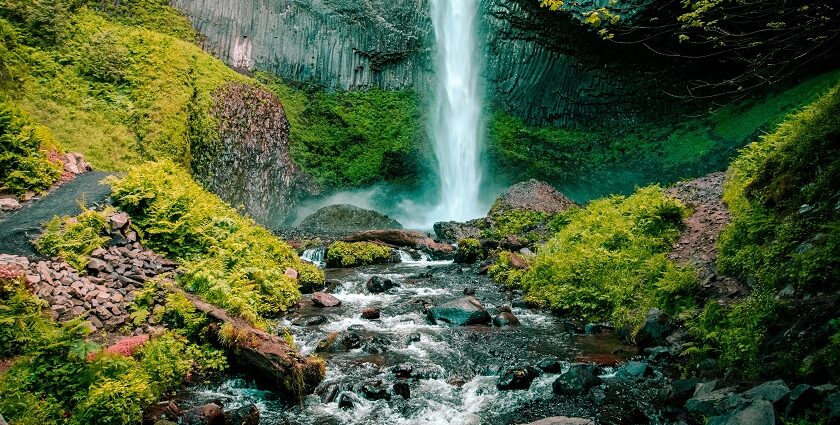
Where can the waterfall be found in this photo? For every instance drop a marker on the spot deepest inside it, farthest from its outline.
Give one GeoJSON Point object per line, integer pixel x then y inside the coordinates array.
{"type": "Point", "coordinates": [455, 119]}
{"type": "Point", "coordinates": [315, 256]}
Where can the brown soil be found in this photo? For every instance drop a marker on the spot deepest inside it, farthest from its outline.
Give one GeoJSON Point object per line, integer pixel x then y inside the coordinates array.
{"type": "Point", "coordinates": [697, 244]}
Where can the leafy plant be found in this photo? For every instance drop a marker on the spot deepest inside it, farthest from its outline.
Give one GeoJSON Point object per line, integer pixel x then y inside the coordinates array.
{"type": "Point", "coordinates": [73, 238]}
{"type": "Point", "coordinates": [24, 164]}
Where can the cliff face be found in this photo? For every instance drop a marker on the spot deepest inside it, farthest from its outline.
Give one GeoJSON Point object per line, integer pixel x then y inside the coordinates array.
{"type": "Point", "coordinates": [541, 65]}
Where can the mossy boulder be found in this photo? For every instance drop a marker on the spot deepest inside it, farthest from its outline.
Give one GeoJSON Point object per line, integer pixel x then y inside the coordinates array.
{"type": "Point", "coordinates": [469, 251]}
{"type": "Point", "coordinates": [352, 254]}
{"type": "Point", "coordinates": [344, 218]}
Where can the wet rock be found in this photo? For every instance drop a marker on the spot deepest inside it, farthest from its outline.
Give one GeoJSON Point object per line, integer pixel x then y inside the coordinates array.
{"type": "Point", "coordinates": [655, 329]}
{"type": "Point", "coordinates": [162, 411]}
{"type": "Point", "coordinates": [576, 381]}
{"type": "Point", "coordinates": [453, 231]}
{"type": "Point", "coordinates": [322, 299]}
{"type": "Point", "coordinates": [775, 392]}
{"type": "Point", "coordinates": [245, 415]}
{"type": "Point", "coordinates": [371, 313]}
{"type": "Point", "coordinates": [758, 412]}
{"type": "Point", "coordinates": [413, 337]}
{"type": "Point", "coordinates": [402, 389]}
{"type": "Point", "coordinates": [404, 238]}
{"type": "Point", "coordinates": [374, 391]}
{"type": "Point", "coordinates": [208, 414]}
{"type": "Point", "coordinates": [802, 398]}
{"type": "Point", "coordinates": [469, 290]}
{"type": "Point", "coordinates": [347, 218]}
{"type": "Point", "coordinates": [832, 408]}
{"type": "Point", "coordinates": [634, 370]}
{"type": "Point", "coordinates": [505, 318]}
{"type": "Point", "coordinates": [563, 420]}
{"type": "Point", "coordinates": [517, 378]}
{"type": "Point", "coordinates": [311, 321]}
{"type": "Point", "coordinates": [705, 388]}
{"type": "Point", "coordinates": [379, 284]}
{"type": "Point", "coordinates": [658, 354]}
{"type": "Point", "coordinates": [337, 342]}
{"type": "Point", "coordinates": [550, 365]}
{"type": "Point", "coordinates": [377, 345]}
{"type": "Point", "coordinates": [461, 312]}
{"type": "Point", "coordinates": [713, 403]}
{"type": "Point", "coordinates": [345, 401]}
{"type": "Point", "coordinates": [403, 370]}
{"type": "Point", "coordinates": [596, 328]}
{"type": "Point", "coordinates": [681, 390]}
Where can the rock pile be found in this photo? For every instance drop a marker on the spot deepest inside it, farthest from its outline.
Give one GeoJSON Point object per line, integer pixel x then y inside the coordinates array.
{"type": "Point", "coordinates": [104, 293]}
{"type": "Point", "coordinates": [74, 163]}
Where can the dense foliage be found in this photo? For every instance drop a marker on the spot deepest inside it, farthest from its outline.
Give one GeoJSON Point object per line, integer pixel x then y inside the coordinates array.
{"type": "Point", "coordinates": [226, 258]}
{"type": "Point", "coordinates": [59, 377]}
{"type": "Point", "coordinates": [73, 238]}
{"type": "Point", "coordinates": [24, 161]}
{"type": "Point", "coordinates": [608, 262]}
{"type": "Point", "coordinates": [351, 254]}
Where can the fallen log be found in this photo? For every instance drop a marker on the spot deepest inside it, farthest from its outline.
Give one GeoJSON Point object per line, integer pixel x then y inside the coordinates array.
{"type": "Point", "coordinates": [272, 359]}
{"type": "Point", "coordinates": [402, 238]}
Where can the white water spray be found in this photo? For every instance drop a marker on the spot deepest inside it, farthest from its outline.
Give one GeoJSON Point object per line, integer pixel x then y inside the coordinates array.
{"type": "Point", "coordinates": [456, 117]}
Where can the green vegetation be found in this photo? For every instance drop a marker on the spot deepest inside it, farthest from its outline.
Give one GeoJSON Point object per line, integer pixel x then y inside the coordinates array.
{"type": "Point", "coordinates": [352, 254]}
{"type": "Point", "coordinates": [469, 251]}
{"type": "Point", "coordinates": [504, 272]}
{"type": "Point", "coordinates": [355, 138]}
{"type": "Point", "coordinates": [56, 369]}
{"type": "Point", "coordinates": [608, 262]}
{"type": "Point", "coordinates": [226, 258]}
{"type": "Point", "coordinates": [74, 238]}
{"type": "Point", "coordinates": [596, 162]}
{"type": "Point", "coordinates": [24, 161]}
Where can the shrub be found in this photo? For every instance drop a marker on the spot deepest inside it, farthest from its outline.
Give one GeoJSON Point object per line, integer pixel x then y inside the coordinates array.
{"type": "Point", "coordinates": [502, 271]}
{"type": "Point", "coordinates": [73, 238]}
{"type": "Point", "coordinates": [22, 407]}
{"type": "Point", "coordinates": [24, 164]}
{"type": "Point", "coordinates": [351, 254]}
{"type": "Point", "coordinates": [22, 324]}
{"type": "Point", "coordinates": [469, 251]}
{"type": "Point", "coordinates": [608, 262]}
{"type": "Point", "coordinates": [119, 401]}
{"type": "Point", "coordinates": [226, 258]}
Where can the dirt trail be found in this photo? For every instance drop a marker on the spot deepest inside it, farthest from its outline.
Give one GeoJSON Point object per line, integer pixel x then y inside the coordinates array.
{"type": "Point", "coordinates": [698, 243]}
{"type": "Point", "coordinates": [17, 229]}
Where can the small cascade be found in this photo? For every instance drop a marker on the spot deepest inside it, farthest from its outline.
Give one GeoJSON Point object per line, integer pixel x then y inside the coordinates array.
{"type": "Point", "coordinates": [315, 256]}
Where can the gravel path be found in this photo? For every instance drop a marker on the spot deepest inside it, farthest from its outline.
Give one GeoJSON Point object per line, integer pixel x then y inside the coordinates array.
{"type": "Point", "coordinates": [18, 228]}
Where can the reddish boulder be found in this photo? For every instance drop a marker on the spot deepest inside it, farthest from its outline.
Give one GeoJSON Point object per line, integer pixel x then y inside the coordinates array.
{"type": "Point", "coordinates": [323, 299]}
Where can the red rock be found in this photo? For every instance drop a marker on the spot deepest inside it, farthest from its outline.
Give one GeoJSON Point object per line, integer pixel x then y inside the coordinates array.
{"type": "Point", "coordinates": [371, 313]}
{"type": "Point", "coordinates": [292, 273]}
{"type": "Point", "coordinates": [322, 299]}
{"type": "Point", "coordinates": [125, 347]}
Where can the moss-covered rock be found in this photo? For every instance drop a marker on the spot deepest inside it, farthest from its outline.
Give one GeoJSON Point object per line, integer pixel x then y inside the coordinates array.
{"type": "Point", "coordinates": [351, 254]}
{"type": "Point", "coordinates": [345, 218]}
{"type": "Point", "coordinates": [469, 251]}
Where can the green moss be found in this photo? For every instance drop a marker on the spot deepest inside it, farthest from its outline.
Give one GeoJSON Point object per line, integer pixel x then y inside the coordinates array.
{"type": "Point", "coordinates": [226, 258]}
{"type": "Point", "coordinates": [355, 138]}
{"type": "Point", "coordinates": [469, 251]}
{"type": "Point", "coordinates": [608, 262]}
{"type": "Point", "coordinates": [351, 254]}
{"type": "Point", "coordinates": [24, 162]}
{"type": "Point", "coordinates": [503, 271]}
{"type": "Point", "coordinates": [73, 238]}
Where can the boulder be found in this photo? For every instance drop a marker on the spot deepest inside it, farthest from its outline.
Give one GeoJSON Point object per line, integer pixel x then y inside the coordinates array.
{"type": "Point", "coordinates": [371, 313]}
{"type": "Point", "coordinates": [346, 401]}
{"type": "Point", "coordinates": [563, 420]}
{"type": "Point", "coordinates": [505, 318]}
{"type": "Point", "coordinates": [403, 238]}
{"type": "Point", "coordinates": [453, 231]}
{"type": "Point", "coordinates": [323, 299]}
{"type": "Point", "coordinates": [9, 204]}
{"type": "Point", "coordinates": [461, 312]}
{"type": "Point", "coordinates": [802, 398]}
{"type": "Point", "coordinates": [577, 380]}
{"type": "Point", "coordinates": [374, 390]}
{"type": "Point", "coordinates": [245, 415]}
{"type": "Point", "coordinates": [681, 390]}
{"type": "Point", "coordinates": [338, 342]}
{"type": "Point", "coordinates": [655, 329]}
{"type": "Point", "coordinates": [207, 414]}
{"type": "Point", "coordinates": [379, 284]}
{"type": "Point", "coordinates": [119, 221]}
{"type": "Point", "coordinates": [757, 412]}
{"type": "Point", "coordinates": [634, 370]}
{"type": "Point", "coordinates": [775, 392]}
{"type": "Point", "coordinates": [550, 365]}
{"type": "Point", "coordinates": [713, 403]}
{"type": "Point", "coordinates": [517, 378]}
{"type": "Point", "coordinates": [531, 195]}
{"type": "Point", "coordinates": [832, 408]}
{"type": "Point", "coordinates": [402, 389]}
{"type": "Point", "coordinates": [348, 218]}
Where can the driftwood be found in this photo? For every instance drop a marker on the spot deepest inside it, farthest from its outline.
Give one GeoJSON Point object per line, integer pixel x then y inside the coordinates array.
{"type": "Point", "coordinates": [401, 238]}
{"type": "Point", "coordinates": [266, 356]}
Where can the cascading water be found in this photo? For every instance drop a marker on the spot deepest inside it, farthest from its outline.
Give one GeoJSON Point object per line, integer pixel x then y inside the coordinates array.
{"type": "Point", "coordinates": [456, 117]}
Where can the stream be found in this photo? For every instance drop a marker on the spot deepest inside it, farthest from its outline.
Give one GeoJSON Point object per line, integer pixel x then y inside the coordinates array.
{"type": "Point", "coordinates": [450, 372]}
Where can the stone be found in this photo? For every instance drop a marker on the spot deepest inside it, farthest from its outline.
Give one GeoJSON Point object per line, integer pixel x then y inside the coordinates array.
{"type": "Point", "coordinates": [9, 204]}
{"type": "Point", "coordinates": [550, 365]}
{"type": "Point", "coordinates": [402, 389]}
{"type": "Point", "coordinates": [347, 218]}
{"type": "Point", "coordinates": [374, 390]}
{"type": "Point", "coordinates": [469, 290]}
{"type": "Point", "coordinates": [453, 231]}
{"type": "Point", "coordinates": [96, 265]}
{"type": "Point", "coordinates": [379, 284]}
{"type": "Point", "coordinates": [402, 370]}
{"type": "Point", "coordinates": [531, 195]}
{"type": "Point", "coordinates": [245, 415]}
{"type": "Point", "coordinates": [322, 299]}
{"type": "Point", "coordinates": [705, 388]}
{"type": "Point", "coordinates": [775, 392]}
{"type": "Point", "coordinates": [345, 401]}
{"type": "Point", "coordinates": [33, 279]}
{"type": "Point", "coordinates": [290, 272]}
{"type": "Point", "coordinates": [576, 381]}
{"type": "Point", "coordinates": [404, 238]}
{"type": "Point", "coordinates": [562, 420]}
{"type": "Point", "coordinates": [681, 390]}
{"type": "Point", "coordinates": [517, 378]}
{"type": "Point", "coordinates": [371, 313]}
{"type": "Point", "coordinates": [504, 319]}
{"type": "Point", "coordinates": [713, 403]}
{"type": "Point", "coordinates": [413, 337]}
{"type": "Point", "coordinates": [655, 329]}
{"type": "Point", "coordinates": [311, 321]}
{"type": "Point", "coordinates": [119, 221]}
{"type": "Point", "coordinates": [207, 414]}
{"type": "Point", "coordinates": [461, 312]}
{"type": "Point", "coordinates": [338, 342]}
{"type": "Point", "coordinates": [634, 370]}
{"type": "Point", "coordinates": [757, 412]}
{"type": "Point", "coordinates": [801, 398]}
